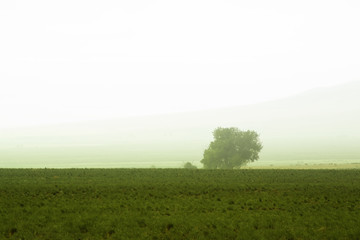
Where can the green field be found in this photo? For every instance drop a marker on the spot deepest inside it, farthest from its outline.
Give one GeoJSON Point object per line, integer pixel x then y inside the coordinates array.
{"type": "Point", "coordinates": [179, 204]}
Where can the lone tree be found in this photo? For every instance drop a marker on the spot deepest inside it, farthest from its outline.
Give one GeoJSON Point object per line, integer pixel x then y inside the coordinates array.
{"type": "Point", "coordinates": [231, 148]}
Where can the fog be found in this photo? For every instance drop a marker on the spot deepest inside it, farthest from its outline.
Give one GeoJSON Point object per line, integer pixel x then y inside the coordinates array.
{"type": "Point", "coordinates": [85, 60]}
{"type": "Point", "coordinates": [144, 84]}
{"type": "Point", "coordinates": [315, 127]}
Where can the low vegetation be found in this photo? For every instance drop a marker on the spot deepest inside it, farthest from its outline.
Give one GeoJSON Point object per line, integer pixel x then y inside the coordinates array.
{"type": "Point", "coordinates": [179, 204]}
{"type": "Point", "coordinates": [189, 165]}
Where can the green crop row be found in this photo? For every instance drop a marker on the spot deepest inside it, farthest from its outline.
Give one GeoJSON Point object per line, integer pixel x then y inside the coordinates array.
{"type": "Point", "coordinates": [179, 204]}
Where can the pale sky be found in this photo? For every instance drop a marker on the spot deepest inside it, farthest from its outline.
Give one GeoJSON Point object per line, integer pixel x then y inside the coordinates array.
{"type": "Point", "coordinates": [74, 60]}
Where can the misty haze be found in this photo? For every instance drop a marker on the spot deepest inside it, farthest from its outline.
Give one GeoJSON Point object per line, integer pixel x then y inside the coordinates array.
{"type": "Point", "coordinates": [179, 119]}
{"type": "Point", "coordinates": [314, 127]}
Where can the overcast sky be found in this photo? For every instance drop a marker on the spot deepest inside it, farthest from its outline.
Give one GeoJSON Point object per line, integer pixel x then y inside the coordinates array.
{"type": "Point", "coordinates": [74, 60]}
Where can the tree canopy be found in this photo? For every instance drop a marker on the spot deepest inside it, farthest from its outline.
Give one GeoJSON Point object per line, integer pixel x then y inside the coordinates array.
{"type": "Point", "coordinates": [231, 148]}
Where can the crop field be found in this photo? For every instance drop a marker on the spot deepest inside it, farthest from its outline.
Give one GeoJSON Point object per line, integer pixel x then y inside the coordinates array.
{"type": "Point", "coordinates": [179, 204]}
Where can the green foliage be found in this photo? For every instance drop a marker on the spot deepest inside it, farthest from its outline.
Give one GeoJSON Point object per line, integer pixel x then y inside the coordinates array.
{"type": "Point", "coordinates": [179, 204]}
{"type": "Point", "coordinates": [189, 165]}
{"type": "Point", "coordinates": [231, 148]}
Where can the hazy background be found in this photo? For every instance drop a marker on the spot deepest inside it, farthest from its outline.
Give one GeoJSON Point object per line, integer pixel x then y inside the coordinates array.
{"type": "Point", "coordinates": [142, 83]}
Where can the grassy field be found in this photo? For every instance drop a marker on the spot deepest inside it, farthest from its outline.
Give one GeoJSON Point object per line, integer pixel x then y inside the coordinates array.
{"type": "Point", "coordinates": [309, 166]}
{"type": "Point", "coordinates": [179, 204]}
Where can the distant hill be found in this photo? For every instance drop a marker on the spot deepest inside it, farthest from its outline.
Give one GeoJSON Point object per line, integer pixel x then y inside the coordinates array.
{"type": "Point", "coordinates": [318, 126]}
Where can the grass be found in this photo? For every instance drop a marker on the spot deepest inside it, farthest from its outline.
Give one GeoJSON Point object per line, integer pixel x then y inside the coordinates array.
{"type": "Point", "coordinates": [179, 204]}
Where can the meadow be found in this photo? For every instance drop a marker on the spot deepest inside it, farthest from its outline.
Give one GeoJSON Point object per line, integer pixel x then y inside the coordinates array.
{"type": "Point", "coordinates": [179, 204]}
